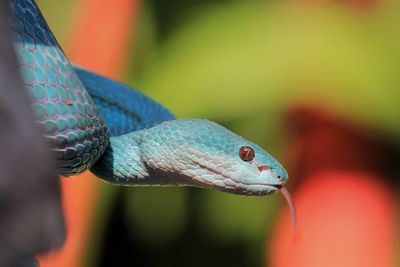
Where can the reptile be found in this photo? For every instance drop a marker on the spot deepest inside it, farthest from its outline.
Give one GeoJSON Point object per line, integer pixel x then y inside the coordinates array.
{"type": "Point", "coordinates": [123, 137]}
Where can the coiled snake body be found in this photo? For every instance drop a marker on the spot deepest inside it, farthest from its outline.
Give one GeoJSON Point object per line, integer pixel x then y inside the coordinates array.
{"type": "Point", "coordinates": [122, 136]}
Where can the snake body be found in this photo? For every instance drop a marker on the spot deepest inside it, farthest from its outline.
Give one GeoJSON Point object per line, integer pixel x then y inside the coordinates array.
{"type": "Point", "coordinates": [121, 135]}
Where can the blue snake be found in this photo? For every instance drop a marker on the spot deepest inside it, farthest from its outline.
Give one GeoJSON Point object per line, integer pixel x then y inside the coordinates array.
{"type": "Point", "coordinates": [123, 137]}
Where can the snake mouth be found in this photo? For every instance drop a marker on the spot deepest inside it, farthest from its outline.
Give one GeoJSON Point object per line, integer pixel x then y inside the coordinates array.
{"type": "Point", "coordinates": [285, 194]}
{"type": "Point", "coordinates": [274, 187]}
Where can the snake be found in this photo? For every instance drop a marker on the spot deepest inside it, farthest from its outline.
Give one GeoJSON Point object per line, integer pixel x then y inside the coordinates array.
{"type": "Point", "coordinates": [125, 138]}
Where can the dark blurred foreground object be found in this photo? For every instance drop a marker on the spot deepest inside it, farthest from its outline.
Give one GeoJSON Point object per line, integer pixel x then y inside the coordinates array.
{"type": "Point", "coordinates": [346, 208]}
{"type": "Point", "coordinates": [30, 211]}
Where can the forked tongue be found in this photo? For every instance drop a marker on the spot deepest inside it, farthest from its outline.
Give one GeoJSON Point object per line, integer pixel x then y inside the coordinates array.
{"type": "Point", "coordinates": [290, 202]}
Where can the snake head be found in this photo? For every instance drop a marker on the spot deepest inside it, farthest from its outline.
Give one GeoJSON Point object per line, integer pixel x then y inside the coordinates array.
{"type": "Point", "coordinates": [203, 153]}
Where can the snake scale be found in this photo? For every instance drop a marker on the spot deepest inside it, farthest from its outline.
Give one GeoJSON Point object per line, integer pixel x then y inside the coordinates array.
{"type": "Point", "coordinates": [125, 138]}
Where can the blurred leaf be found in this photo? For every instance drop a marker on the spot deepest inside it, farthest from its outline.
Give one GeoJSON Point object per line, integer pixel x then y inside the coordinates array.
{"type": "Point", "coordinates": [156, 215]}
{"type": "Point", "coordinates": [228, 217]}
{"type": "Point", "coordinates": [171, 13]}
{"type": "Point", "coordinates": [58, 15]}
{"type": "Point", "coordinates": [249, 58]}
{"type": "Point", "coordinates": [144, 43]}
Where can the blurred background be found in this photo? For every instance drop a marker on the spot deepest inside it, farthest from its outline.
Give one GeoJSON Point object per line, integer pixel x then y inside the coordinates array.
{"type": "Point", "coordinates": [314, 82]}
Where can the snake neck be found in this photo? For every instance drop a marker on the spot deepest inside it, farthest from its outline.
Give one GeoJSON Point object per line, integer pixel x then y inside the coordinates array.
{"type": "Point", "coordinates": [122, 164]}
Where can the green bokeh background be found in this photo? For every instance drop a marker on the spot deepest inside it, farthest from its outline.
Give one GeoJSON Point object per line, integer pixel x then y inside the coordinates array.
{"type": "Point", "coordinates": [243, 64]}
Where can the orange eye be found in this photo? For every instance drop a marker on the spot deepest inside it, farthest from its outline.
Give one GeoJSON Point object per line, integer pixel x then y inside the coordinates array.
{"type": "Point", "coordinates": [246, 153]}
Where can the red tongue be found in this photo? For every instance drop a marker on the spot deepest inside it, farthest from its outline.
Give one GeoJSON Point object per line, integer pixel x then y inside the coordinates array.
{"type": "Point", "coordinates": [290, 202]}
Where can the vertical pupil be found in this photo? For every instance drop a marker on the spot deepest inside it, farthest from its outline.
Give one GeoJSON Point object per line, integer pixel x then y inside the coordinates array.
{"type": "Point", "coordinates": [246, 153]}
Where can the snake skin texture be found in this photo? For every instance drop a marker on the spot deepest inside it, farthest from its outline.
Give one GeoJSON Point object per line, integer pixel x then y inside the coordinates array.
{"type": "Point", "coordinates": [124, 110]}
{"type": "Point", "coordinates": [70, 119]}
{"type": "Point", "coordinates": [143, 143]}
{"type": "Point", "coordinates": [189, 152]}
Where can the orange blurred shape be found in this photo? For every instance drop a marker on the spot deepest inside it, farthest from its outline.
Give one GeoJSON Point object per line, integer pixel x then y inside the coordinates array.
{"type": "Point", "coordinates": [344, 219]}
{"type": "Point", "coordinates": [346, 211]}
{"type": "Point", "coordinates": [99, 42]}
{"type": "Point", "coordinates": [102, 33]}
{"type": "Point", "coordinates": [79, 197]}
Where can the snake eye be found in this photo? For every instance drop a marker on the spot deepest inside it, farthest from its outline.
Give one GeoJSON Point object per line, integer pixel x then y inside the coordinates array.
{"type": "Point", "coordinates": [246, 153]}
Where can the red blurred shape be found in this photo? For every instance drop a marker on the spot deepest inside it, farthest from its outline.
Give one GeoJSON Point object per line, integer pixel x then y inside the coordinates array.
{"type": "Point", "coordinates": [346, 211]}
{"type": "Point", "coordinates": [324, 141]}
{"type": "Point", "coordinates": [344, 219]}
